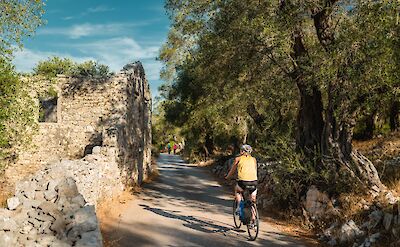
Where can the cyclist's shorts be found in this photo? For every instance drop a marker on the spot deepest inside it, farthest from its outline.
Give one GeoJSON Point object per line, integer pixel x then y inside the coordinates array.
{"type": "Point", "coordinates": [245, 184]}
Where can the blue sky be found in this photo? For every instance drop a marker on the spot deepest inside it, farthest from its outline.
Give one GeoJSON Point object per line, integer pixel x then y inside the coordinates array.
{"type": "Point", "coordinates": [110, 32]}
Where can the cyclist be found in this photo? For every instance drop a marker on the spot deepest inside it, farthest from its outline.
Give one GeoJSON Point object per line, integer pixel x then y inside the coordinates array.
{"type": "Point", "coordinates": [246, 167]}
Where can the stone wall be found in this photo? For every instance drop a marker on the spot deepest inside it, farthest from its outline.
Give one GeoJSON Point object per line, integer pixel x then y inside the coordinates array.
{"type": "Point", "coordinates": [56, 206]}
{"type": "Point", "coordinates": [114, 113]}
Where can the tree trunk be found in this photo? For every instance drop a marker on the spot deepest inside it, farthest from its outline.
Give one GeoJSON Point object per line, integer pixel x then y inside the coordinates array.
{"type": "Point", "coordinates": [209, 145]}
{"type": "Point", "coordinates": [330, 137]}
{"type": "Point", "coordinates": [255, 115]}
{"type": "Point", "coordinates": [309, 119]}
{"type": "Point", "coordinates": [370, 125]}
{"type": "Point", "coordinates": [394, 116]}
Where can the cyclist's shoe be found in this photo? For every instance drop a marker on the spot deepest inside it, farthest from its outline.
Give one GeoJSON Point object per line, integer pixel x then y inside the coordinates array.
{"type": "Point", "coordinates": [252, 225]}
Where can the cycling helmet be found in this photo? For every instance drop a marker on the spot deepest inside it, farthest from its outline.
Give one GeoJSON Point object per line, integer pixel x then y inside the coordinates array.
{"type": "Point", "coordinates": [246, 148]}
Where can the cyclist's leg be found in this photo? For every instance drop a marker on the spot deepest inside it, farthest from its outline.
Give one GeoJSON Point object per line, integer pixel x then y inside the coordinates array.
{"type": "Point", "coordinates": [254, 200]}
{"type": "Point", "coordinates": [238, 193]}
{"type": "Point", "coordinates": [254, 196]}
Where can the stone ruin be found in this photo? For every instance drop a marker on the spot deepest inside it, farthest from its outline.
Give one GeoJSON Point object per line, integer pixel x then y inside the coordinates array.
{"type": "Point", "coordinates": [96, 144]}
{"type": "Point", "coordinates": [113, 113]}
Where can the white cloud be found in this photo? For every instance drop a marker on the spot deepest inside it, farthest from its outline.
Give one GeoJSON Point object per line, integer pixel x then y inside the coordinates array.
{"type": "Point", "coordinates": [100, 8]}
{"type": "Point", "coordinates": [25, 60]}
{"type": "Point", "coordinates": [87, 29]}
{"type": "Point", "coordinates": [152, 69]}
{"type": "Point", "coordinates": [117, 52]}
{"type": "Point", "coordinates": [67, 18]}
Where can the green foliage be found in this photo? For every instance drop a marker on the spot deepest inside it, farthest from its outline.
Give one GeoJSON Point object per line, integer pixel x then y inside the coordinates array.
{"type": "Point", "coordinates": [53, 66]}
{"type": "Point", "coordinates": [16, 112]}
{"type": "Point", "coordinates": [91, 69]}
{"type": "Point", "coordinates": [233, 71]}
{"type": "Point", "coordinates": [19, 18]}
{"type": "Point", "coordinates": [292, 175]}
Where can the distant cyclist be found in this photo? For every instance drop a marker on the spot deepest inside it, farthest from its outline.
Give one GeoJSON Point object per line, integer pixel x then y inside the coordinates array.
{"type": "Point", "coordinates": [246, 167]}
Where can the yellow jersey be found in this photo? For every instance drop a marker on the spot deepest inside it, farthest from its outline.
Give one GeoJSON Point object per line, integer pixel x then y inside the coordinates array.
{"type": "Point", "coordinates": [247, 168]}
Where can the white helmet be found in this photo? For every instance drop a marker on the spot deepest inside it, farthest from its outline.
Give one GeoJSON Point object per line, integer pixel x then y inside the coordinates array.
{"type": "Point", "coordinates": [246, 148]}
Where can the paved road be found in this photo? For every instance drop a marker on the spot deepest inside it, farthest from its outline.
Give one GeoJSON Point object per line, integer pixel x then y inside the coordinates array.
{"type": "Point", "coordinates": [186, 207]}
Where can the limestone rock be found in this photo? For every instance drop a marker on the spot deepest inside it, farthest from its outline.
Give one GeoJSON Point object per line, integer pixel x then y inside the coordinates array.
{"type": "Point", "coordinates": [374, 219]}
{"type": "Point", "coordinates": [90, 239]}
{"type": "Point", "coordinates": [4, 213]}
{"type": "Point", "coordinates": [7, 239]}
{"type": "Point", "coordinates": [50, 195]}
{"type": "Point", "coordinates": [84, 220]}
{"type": "Point", "coordinates": [96, 150]}
{"type": "Point", "coordinates": [67, 187]}
{"type": "Point", "coordinates": [13, 203]}
{"type": "Point", "coordinates": [387, 221]}
{"type": "Point", "coordinates": [8, 224]}
{"type": "Point", "coordinates": [349, 231]}
{"type": "Point", "coordinates": [316, 202]}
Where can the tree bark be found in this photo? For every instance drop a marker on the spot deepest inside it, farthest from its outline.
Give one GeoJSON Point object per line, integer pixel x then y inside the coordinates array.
{"type": "Point", "coordinates": [370, 125]}
{"type": "Point", "coordinates": [255, 115]}
{"type": "Point", "coordinates": [208, 145]}
{"type": "Point", "coordinates": [394, 116]}
{"type": "Point", "coordinates": [309, 118]}
{"type": "Point", "coordinates": [339, 122]}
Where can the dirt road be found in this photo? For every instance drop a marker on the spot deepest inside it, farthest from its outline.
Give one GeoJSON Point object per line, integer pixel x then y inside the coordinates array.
{"type": "Point", "coordinates": [185, 207]}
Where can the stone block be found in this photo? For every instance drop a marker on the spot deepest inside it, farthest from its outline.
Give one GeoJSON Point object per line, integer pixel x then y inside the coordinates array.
{"type": "Point", "coordinates": [387, 221]}
{"type": "Point", "coordinates": [50, 209]}
{"type": "Point", "coordinates": [84, 220]}
{"type": "Point", "coordinates": [90, 239]}
{"type": "Point", "coordinates": [50, 195]}
{"type": "Point", "coordinates": [45, 228]}
{"type": "Point", "coordinates": [59, 226]}
{"type": "Point", "coordinates": [5, 213]}
{"type": "Point", "coordinates": [7, 239]}
{"type": "Point", "coordinates": [13, 203]}
{"type": "Point", "coordinates": [374, 219]}
{"type": "Point", "coordinates": [349, 231]}
{"type": "Point", "coordinates": [8, 224]}
{"type": "Point", "coordinates": [316, 202]}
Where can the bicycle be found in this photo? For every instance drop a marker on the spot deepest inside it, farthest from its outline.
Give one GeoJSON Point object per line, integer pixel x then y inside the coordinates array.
{"type": "Point", "coordinates": [247, 218]}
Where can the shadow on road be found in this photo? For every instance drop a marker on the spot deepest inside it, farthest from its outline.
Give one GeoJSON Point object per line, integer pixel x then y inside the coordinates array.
{"type": "Point", "coordinates": [191, 199]}
{"type": "Point", "coordinates": [205, 225]}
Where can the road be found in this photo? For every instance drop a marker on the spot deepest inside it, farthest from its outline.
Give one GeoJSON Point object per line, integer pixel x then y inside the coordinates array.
{"type": "Point", "coordinates": [186, 207]}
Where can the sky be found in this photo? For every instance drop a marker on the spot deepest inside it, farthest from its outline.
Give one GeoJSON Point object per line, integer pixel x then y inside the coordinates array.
{"type": "Point", "coordinates": [112, 32]}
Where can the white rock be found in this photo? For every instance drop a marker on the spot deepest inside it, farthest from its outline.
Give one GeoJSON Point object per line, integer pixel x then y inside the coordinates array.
{"type": "Point", "coordinates": [96, 150]}
{"type": "Point", "coordinates": [316, 202]}
{"type": "Point", "coordinates": [8, 239]}
{"type": "Point", "coordinates": [8, 224]}
{"type": "Point", "coordinates": [13, 203]}
{"type": "Point", "coordinates": [387, 221]}
{"type": "Point", "coordinates": [349, 231]}
{"type": "Point", "coordinates": [90, 239]}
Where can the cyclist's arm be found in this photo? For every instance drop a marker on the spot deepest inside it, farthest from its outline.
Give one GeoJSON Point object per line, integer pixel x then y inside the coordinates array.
{"type": "Point", "coordinates": [233, 169]}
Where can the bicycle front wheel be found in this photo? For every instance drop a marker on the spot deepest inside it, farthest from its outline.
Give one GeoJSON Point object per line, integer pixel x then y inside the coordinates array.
{"type": "Point", "coordinates": [236, 217]}
{"type": "Point", "coordinates": [253, 226]}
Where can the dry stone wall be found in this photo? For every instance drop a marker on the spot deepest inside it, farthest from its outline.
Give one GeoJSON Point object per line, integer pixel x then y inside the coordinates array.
{"type": "Point", "coordinates": [48, 210]}
{"type": "Point", "coordinates": [99, 145]}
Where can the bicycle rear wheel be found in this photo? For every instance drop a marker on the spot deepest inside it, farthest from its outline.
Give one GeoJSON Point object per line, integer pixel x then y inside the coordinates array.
{"type": "Point", "coordinates": [253, 226]}
{"type": "Point", "coordinates": [236, 217]}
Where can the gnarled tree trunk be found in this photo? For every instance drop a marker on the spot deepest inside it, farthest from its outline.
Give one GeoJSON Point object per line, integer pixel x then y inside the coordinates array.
{"type": "Point", "coordinates": [394, 116]}
{"type": "Point", "coordinates": [332, 136]}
